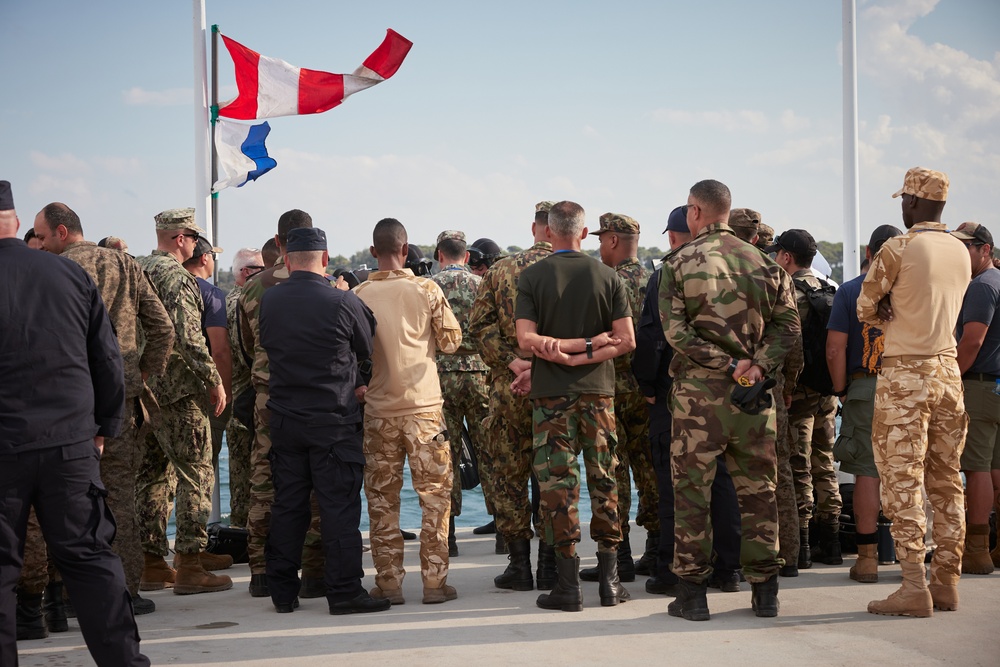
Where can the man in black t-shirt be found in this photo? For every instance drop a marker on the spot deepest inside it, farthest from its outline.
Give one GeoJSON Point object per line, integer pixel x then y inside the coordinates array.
{"type": "Point", "coordinates": [573, 314]}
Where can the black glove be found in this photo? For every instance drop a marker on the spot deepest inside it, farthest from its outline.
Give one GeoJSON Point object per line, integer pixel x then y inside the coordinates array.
{"type": "Point", "coordinates": [755, 398]}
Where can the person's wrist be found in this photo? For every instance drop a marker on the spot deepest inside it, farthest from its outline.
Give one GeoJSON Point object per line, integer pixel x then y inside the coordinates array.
{"type": "Point", "coordinates": [733, 363]}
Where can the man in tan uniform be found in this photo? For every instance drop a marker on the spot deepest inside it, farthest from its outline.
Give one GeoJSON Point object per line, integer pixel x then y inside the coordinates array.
{"type": "Point", "coordinates": [913, 292]}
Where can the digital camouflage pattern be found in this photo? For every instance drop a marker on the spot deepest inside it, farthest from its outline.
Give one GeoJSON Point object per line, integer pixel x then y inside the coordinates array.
{"type": "Point", "coordinates": [918, 434]}
{"type": "Point", "coordinates": [420, 439]}
{"type": "Point", "coordinates": [509, 443]}
{"type": "Point", "coordinates": [241, 371]}
{"type": "Point", "coordinates": [563, 428]}
{"type": "Point", "coordinates": [465, 398]}
{"type": "Point", "coordinates": [616, 222]}
{"type": "Point", "coordinates": [460, 286]}
{"type": "Point", "coordinates": [720, 299]}
{"type": "Point", "coordinates": [119, 472]}
{"type": "Point", "coordinates": [239, 438]}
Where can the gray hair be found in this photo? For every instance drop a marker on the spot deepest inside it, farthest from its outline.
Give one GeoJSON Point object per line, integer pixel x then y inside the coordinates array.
{"type": "Point", "coordinates": [245, 257]}
{"type": "Point", "coordinates": [567, 219]}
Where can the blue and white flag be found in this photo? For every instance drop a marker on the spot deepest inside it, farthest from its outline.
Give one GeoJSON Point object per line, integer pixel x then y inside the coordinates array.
{"type": "Point", "coordinates": [242, 155]}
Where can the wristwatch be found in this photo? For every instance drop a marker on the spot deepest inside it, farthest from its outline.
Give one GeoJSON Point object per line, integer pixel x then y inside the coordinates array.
{"type": "Point", "coordinates": [590, 348]}
{"type": "Point", "coordinates": [732, 366]}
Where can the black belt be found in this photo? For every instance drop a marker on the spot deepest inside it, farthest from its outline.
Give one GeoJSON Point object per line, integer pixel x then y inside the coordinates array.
{"type": "Point", "coordinates": [862, 374]}
{"type": "Point", "coordinates": [982, 377]}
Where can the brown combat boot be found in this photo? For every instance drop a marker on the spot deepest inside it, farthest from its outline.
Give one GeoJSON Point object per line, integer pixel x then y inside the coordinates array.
{"type": "Point", "coordinates": [865, 570]}
{"type": "Point", "coordinates": [156, 574]}
{"type": "Point", "coordinates": [944, 596]}
{"type": "Point", "coordinates": [212, 561]}
{"type": "Point", "coordinates": [192, 577]}
{"type": "Point", "coordinates": [977, 558]}
{"type": "Point", "coordinates": [912, 599]}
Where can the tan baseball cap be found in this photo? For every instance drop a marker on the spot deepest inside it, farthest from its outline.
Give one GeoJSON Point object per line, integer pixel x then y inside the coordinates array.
{"type": "Point", "coordinates": [925, 183]}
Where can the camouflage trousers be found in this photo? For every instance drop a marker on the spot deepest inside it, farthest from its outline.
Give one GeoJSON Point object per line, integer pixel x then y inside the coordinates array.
{"type": "Point", "coordinates": [177, 459]}
{"type": "Point", "coordinates": [788, 510]}
{"type": "Point", "coordinates": [465, 398]}
{"type": "Point", "coordinates": [918, 434]}
{"type": "Point", "coordinates": [564, 427]}
{"type": "Point", "coordinates": [421, 440]}
{"type": "Point", "coordinates": [813, 426]}
{"type": "Point", "coordinates": [706, 424]}
{"type": "Point", "coordinates": [510, 453]}
{"type": "Point", "coordinates": [239, 440]}
{"type": "Point", "coordinates": [262, 496]}
{"type": "Point", "coordinates": [632, 451]}
{"type": "Point", "coordinates": [219, 425]}
{"type": "Point", "coordinates": [36, 570]}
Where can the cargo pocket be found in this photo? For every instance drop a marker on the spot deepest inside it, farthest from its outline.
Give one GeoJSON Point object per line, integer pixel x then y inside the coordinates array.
{"type": "Point", "coordinates": [846, 448]}
{"type": "Point", "coordinates": [105, 527]}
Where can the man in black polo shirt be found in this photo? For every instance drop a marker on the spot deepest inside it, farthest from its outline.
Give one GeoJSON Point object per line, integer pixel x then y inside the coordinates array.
{"type": "Point", "coordinates": [315, 336]}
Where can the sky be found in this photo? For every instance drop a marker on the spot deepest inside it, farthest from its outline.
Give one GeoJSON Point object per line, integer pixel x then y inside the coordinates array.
{"type": "Point", "coordinates": [618, 106]}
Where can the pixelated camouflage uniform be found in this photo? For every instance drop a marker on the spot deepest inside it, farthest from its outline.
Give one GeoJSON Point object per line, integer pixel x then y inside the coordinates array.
{"type": "Point", "coordinates": [632, 419]}
{"type": "Point", "coordinates": [239, 437]}
{"type": "Point", "coordinates": [813, 426]}
{"type": "Point", "coordinates": [418, 435]}
{"type": "Point", "coordinates": [261, 484]}
{"type": "Point", "coordinates": [463, 378]}
{"type": "Point", "coordinates": [509, 422]}
{"type": "Point", "coordinates": [181, 445]}
{"type": "Point", "coordinates": [788, 509]}
{"type": "Point", "coordinates": [920, 423]}
{"type": "Point", "coordinates": [721, 299]}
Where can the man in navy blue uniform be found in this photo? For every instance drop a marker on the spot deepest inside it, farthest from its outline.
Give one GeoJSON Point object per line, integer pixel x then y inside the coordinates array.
{"type": "Point", "coordinates": [315, 335]}
{"type": "Point", "coordinates": [63, 393]}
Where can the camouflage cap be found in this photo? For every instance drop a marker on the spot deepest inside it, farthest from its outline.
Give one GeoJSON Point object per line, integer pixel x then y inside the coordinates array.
{"type": "Point", "coordinates": [975, 232]}
{"type": "Point", "coordinates": [451, 235]}
{"type": "Point", "coordinates": [544, 206]}
{"type": "Point", "coordinates": [744, 217]}
{"type": "Point", "coordinates": [616, 222]}
{"type": "Point", "coordinates": [113, 242]}
{"type": "Point", "coordinates": [925, 183]}
{"type": "Point", "coordinates": [204, 247]}
{"type": "Point", "coordinates": [765, 235]}
{"type": "Point", "coordinates": [177, 218]}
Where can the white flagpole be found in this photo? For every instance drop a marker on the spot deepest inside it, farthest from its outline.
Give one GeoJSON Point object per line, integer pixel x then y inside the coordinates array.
{"type": "Point", "coordinates": [852, 209]}
{"type": "Point", "coordinates": [202, 187]}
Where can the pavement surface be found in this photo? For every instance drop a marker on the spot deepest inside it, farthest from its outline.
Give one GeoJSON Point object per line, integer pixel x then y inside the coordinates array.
{"type": "Point", "coordinates": [822, 622]}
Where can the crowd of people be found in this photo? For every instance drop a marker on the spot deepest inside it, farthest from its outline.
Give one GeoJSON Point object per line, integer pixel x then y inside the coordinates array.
{"type": "Point", "coordinates": [712, 384]}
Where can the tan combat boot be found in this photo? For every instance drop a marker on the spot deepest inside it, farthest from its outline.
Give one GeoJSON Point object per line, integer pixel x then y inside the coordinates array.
{"type": "Point", "coordinates": [156, 574]}
{"type": "Point", "coordinates": [192, 577]}
{"type": "Point", "coordinates": [912, 599]}
{"type": "Point", "coordinates": [977, 559]}
{"type": "Point", "coordinates": [865, 570]}
{"type": "Point", "coordinates": [212, 561]}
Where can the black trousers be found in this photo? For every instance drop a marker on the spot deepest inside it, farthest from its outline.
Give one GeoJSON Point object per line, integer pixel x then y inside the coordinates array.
{"type": "Point", "coordinates": [330, 460]}
{"type": "Point", "coordinates": [725, 511]}
{"type": "Point", "coordinates": [64, 485]}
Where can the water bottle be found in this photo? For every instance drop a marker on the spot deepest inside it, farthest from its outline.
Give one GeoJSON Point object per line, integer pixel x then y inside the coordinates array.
{"type": "Point", "coordinates": [996, 387]}
{"type": "Point", "coordinates": [886, 547]}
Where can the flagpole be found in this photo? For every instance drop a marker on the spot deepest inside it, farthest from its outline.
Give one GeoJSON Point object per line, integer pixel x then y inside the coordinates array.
{"type": "Point", "coordinates": [215, 155]}
{"type": "Point", "coordinates": [202, 188]}
{"type": "Point", "coordinates": [852, 209]}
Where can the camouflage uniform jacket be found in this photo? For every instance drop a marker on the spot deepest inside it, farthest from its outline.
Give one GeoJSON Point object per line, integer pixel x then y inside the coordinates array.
{"type": "Point", "coordinates": [241, 371]}
{"type": "Point", "coordinates": [721, 298]}
{"type": "Point", "coordinates": [249, 322]}
{"type": "Point", "coordinates": [459, 286]}
{"type": "Point", "coordinates": [634, 277]}
{"type": "Point", "coordinates": [136, 312]}
{"type": "Point", "coordinates": [190, 369]}
{"type": "Point", "coordinates": [492, 321]}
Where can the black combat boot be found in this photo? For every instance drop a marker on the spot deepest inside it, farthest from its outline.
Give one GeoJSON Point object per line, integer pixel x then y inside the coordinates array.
{"type": "Point", "coordinates": [258, 586]}
{"type": "Point", "coordinates": [517, 576]}
{"type": "Point", "coordinates": [545, 576]}
{"type": "Point", "coordinates": [500, 547]}
{"type": "Point", "coordinates": [764, 599]}
{"type": "Point", "coordinates": [452, 542]}
{"type": "Point", "coordinates": [610, 587]}
{"type": "Point", "coordinates": [30, 621]}
{"type": "Point", "coordinates": [55, 608]}
{"type": "Point", "coordinates": [646, 565]}
{"type": "Point", "coordinates": [626, 568]}
{"type": "Point", "coordinates": [829, 542]}
{"type": "Point", "coordinates": [567, 594]}
{"type": "Point", "coordinates": [805, 558]}
{"type": "Point", "coordinates": [691, 602]}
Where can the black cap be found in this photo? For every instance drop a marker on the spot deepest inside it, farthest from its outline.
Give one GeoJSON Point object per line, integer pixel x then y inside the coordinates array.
{"type": "Point", "coordinates": [203, 247]}
{"type": "Point", "coordinates": [882, 234]}
{"type": "Point", "coordinates": [794, 240]}
{"type": "Point", "coordinates": [305, 239]}
{"type": "Point", "coordinates": [416, 262]}
{"type": "Point", "coordinates": [6, 198]}
{"type": "Point", "coordinates": [677, 221]}
{"type": "Point", "coordinates": [974, 232]}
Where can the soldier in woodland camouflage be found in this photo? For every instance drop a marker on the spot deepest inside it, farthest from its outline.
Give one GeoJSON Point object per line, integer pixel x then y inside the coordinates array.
{"type": "Point", "coordinates": [729, 317]}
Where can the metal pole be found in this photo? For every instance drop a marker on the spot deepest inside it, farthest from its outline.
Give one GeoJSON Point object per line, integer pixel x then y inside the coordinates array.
{"type": "Point", "coordinates": [852, 209]}
{"type": "Point", "coordinates": [215, 155]}
{"type": "Point", "coordinates": [202, 188]}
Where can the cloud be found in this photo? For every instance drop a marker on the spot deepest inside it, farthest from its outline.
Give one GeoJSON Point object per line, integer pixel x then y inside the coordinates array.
{"type": "Point", "coordinates": [65, 163]}
{"type": "Point", "coordinates": [792, 122]}
{"type": "Point", "coordinates": [170, 97]}
{"type": "Point", "coordinates": [793, 151]}
{"type": "Point", "coordinates": [729, 121]}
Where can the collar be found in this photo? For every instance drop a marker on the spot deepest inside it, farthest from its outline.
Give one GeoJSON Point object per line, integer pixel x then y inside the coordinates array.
{"type": "Point", "coordinates": [78, 244]}
{"type": "Point", "coordinates": [392, 274]}
{"type": "Point", "coordinates": [542, 245]}
{"type": "Point", "coordinates": [631, 261]}
{"type": "Point", "coordinates": [456, 267]}
{"type": "Point", "coordinates": [715, 227]}
{"type": "Point", "coordinates": [803, 273]}
{"type": "Point", "coordinates": [161, 253]}
{"type": "Point", "coordinates": [308, 275]}
{"type": "Point", "coordinates": [928, 226]}
{"type": "Point", "coordinates": [12, 241]}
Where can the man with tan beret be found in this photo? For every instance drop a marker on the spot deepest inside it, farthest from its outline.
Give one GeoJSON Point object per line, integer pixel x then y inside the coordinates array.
{"type": "Point", "coordinates": [913, 292]}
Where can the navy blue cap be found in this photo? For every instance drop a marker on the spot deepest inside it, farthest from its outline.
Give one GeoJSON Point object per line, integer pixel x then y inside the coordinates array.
{"type": "Point", "coordinates": [305, 239]}
{"type": "Point", "coordinates": [678, 221]}
{"type": "Point", "coordinates": [6, 198]}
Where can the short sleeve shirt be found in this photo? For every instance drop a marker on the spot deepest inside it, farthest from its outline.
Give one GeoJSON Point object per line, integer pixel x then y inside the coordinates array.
{"type": "Point", "coordinates": [982, 300]}
{"type": "Point", "coordinates": [864, 341]}
{"type": "Point", "coordinates": [214, 314]}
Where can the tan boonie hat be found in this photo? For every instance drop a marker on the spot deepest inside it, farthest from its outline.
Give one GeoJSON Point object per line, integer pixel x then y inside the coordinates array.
{"type": "Point", "coordinates": [616, 222]}
{"type": "Point", "coordinates": [177, 218]}
{"type": "Point", "coordinates": [544, 206]}
{"type": "Point", "coordinates": [975, 232]}
{"type": "Point", "coordinates": [925, 183]}
{"type": "Point", "coordinates": [451, 235]}
{"type": "Point", "coordinates": [744, 217]}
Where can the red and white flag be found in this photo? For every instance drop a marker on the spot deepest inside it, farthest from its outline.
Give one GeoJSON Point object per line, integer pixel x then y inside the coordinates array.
{"type": "Point", "coordinates": [269, 87]}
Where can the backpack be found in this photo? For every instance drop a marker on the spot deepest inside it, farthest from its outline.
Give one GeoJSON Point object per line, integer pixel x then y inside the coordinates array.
{"type": "Point", "coordinates": [815, 374]}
